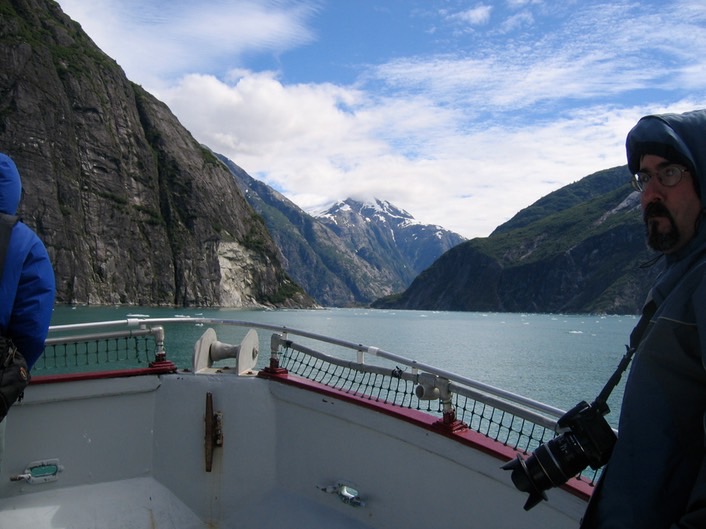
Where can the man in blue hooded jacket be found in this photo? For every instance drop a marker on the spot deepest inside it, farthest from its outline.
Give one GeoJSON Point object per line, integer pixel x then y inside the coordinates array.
{"type": "Point", "coordinates": [656, 476]}
{"type": "Point", "coordinates": [27, 283]}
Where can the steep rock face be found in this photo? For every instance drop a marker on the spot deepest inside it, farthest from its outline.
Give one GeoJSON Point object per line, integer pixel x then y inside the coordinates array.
{"type": "Point", "coordinates": [311, 254]}
{"type": "Point", "coordinates": [353, 253]}
{"type": "Point", "coordinates": [131, 208]}
{"type": "Point", "coordinates": [580, 249]}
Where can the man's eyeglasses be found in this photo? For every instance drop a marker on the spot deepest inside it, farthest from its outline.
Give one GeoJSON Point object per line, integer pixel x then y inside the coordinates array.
{"type": "Point", "coordinates": [668, 176]}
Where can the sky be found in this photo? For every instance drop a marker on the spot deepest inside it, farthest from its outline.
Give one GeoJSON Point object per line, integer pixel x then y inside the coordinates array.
{"type": "Point", "coordinates": [460, 112]}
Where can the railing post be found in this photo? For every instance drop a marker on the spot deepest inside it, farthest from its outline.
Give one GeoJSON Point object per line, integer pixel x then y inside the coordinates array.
{"type": "Point", "coordinates": [276, 341]}
{"type": "Point", "coordinates": [160, 354]}
{"type": "Point", "coordinates": [448, 422]}
{"type": "Point", "coordinates": [432, 387]}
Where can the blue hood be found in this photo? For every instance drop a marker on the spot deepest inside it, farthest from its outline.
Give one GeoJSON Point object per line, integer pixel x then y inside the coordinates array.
{"type": "Point", "coordinates": [679, 138]}
{"type": "Point", "coordinates": [10, 185]}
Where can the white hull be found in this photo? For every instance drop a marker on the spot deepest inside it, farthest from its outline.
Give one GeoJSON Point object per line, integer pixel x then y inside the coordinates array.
{"type": "Point", "coordinates": [132, 453]}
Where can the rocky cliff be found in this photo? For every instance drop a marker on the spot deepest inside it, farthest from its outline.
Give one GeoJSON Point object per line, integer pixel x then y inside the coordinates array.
{"type": "Point", "coordinates": [131, 208]}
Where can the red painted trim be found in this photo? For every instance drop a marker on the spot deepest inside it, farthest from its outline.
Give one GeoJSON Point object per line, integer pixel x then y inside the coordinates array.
{"type": "Point", "coordinates": [101, 375]}
{"type": "Point", "coordinates": [463, 435]}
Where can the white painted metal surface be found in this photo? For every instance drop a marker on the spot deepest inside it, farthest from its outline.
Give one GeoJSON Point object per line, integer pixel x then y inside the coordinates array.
{"type": "Point", "coordinates": [132, 456]}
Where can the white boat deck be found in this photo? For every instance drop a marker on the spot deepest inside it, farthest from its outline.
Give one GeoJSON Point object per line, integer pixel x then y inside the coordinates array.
{"type": "Point", "coordinates": [132, 456]}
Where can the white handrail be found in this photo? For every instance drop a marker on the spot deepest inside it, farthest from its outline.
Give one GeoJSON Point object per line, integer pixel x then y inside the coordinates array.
{"type": "Point", "coordinates": [361, 348]}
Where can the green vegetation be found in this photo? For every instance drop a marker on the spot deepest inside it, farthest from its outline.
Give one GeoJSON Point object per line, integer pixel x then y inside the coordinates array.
{"type": "Point", "coordinates": [209, 157]}
{"type": "Point", "coordinates": [579, 249]}
{"type": "Point", "coordinates": [567, 197]}
{"type": "Point", "coordinates": [153, 217]}
{"type": "Point", "coordinates": [555, 232]}
{"type": "Point", "coordinates": [287, 290]}
{"type": "Point", "coordinates": [79, 57]}
{"type": "Point", "coordinates": [120, 201]}
{"type": "Point", "coordinates": [257, 238]}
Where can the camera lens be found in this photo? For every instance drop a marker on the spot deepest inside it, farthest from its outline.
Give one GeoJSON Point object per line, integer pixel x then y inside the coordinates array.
{"type": "Point", "coordinates": [551, 465]}
{"type": "Point", "coordinates": [561, 458]}
{"type": "Point", "coordinates": [587, 440]}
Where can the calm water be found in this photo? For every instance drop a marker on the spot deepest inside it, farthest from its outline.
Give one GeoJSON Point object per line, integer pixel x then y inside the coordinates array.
{"type": "Point", "coordinates": [556, 359]}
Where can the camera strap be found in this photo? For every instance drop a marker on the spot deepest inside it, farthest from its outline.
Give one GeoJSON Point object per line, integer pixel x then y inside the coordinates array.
{"type": "Point", "coordinates": [647, 312]}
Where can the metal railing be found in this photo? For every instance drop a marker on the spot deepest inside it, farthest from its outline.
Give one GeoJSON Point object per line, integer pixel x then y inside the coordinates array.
{"type": "Point", "coordinates": [87, 351]}
{"type": "Point", "coordinates": [373, 373]}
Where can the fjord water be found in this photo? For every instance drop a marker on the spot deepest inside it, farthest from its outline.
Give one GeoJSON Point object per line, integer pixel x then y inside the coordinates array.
{"type": "Point", "coordinates": [553, 358]}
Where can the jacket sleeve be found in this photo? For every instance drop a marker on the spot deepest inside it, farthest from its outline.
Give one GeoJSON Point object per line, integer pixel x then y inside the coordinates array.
{"type": "Point", "coordinates": [34, 304]}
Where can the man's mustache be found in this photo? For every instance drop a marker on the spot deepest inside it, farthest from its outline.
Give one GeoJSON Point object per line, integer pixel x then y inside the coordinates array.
{"type": "Point", "coordinates": [656, 209]}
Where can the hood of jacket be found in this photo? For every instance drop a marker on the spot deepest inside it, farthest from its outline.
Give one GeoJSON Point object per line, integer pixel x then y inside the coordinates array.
{"type": "Point", "coordinates": [679, 138]}
{"type": "Point", "coordinates": [10, 185]}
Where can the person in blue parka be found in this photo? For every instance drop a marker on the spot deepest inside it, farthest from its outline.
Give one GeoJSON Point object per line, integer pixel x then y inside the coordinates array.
{"type": "Point", "coordinates": [27, 286]}
{"type": "Point", "coordinates": [656, 476]}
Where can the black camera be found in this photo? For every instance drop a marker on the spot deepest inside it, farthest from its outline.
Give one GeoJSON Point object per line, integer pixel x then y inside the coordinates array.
{"type": "Point", "coordinates": [586, 440]}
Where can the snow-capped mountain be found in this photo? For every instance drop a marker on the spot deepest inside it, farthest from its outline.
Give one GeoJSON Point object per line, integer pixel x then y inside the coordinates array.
{"type": "Point", "coordinates": [351, 254]}
{"type": "Point", "coordinates": [397, 238]}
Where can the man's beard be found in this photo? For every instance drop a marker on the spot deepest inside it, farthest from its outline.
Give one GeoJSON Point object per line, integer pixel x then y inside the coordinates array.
{"type": "Point", "coordinates": [660, 241]}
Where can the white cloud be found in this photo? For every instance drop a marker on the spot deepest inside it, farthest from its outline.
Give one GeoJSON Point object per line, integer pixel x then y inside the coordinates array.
{"type": "Point", "coordinates": [475, 16]}
{"type": "Point", "coordinates": [424, 143]}
{"type": "Point", "coordinates": [298, 140]}
{"type": "Point", "coordinates": [522, 3]}
{"type": "Point", "coordinates": [464, 138]}
{"type": "Point", "coordinates": [518, 21]}
{"type": "Point", "coordinates": [157, 41]}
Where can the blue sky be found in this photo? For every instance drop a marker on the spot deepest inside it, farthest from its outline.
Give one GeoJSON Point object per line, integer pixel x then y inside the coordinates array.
{"type": "Point", "coordinates": [460, 112]}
